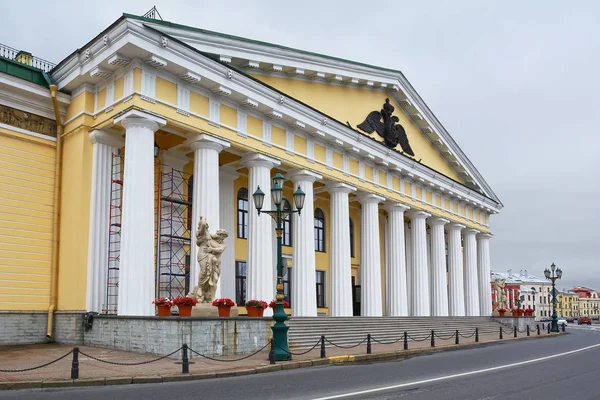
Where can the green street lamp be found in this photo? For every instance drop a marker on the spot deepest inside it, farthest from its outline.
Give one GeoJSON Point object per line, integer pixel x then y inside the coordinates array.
{"type": "Point", "coordinates": [280, 329]}
{"type": "Point", "coordinates": [553, 274]}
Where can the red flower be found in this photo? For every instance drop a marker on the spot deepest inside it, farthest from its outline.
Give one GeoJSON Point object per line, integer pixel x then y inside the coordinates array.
{"type": "Point", "coordinates": [185, 301]}
{"type": "Point", "coordinates": [273, 304]}
{"type": "Point", "coordinates": [257, 303]}
{"type": "Point", "coordinates": [224, 302]}
{"type": "Point", "coordinates": [163, 301]}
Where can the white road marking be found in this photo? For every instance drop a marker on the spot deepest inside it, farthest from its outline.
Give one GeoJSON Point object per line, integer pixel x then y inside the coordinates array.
{"type": "Point", "coordinates": [443, 378]}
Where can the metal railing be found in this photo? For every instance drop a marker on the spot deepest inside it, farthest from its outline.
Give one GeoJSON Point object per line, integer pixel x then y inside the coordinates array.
{"type": "Point", "coordinates": [35, 62]}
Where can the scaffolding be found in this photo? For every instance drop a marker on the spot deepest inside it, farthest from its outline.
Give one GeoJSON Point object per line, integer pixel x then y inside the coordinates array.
{"type": "Point", "coordinates": [173, 232]}
{"type": "Point", "coordinates": [114, 234]}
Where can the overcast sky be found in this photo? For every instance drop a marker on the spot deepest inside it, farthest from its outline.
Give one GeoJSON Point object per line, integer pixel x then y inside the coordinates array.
{"type": "Point", "coordinates": [514, 82]}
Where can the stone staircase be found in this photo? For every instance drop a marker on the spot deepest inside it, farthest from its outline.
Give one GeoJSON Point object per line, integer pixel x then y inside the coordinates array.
{"type": "Point", "coordinates": [304, 332]}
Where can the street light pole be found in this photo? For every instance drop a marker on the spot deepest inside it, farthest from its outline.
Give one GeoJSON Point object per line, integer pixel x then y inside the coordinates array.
{"type": "Point", "coordinates": [553, 275]}
{"type": "Point", "coordinates": [280, 329]}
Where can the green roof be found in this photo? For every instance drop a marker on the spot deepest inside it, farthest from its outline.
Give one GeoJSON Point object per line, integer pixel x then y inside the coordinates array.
{"type": "Point", "coordinates": [23, 71]}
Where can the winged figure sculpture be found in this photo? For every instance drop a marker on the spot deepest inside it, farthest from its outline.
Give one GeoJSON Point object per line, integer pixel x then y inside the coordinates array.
{"type": "Point", "coordinates": [390, 130]}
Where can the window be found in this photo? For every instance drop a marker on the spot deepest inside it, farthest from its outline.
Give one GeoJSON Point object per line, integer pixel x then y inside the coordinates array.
{"type": "Point", "coordinates": [351, 238]}
{"type": "Point", "coordinates": [242, 210]}
{"type": "Point", "coordinates": [287, 285]}
{"type": "Point", "coordinates": [190, 188]}
{"type": "Point", "coordinates": [240, 282]}
{"type": "Point", "coordinates": [320, 289]}
{"type": "Point", "coordinates": [319, 230]}
{"type": "Point", "coordinates": [286, 238]}
{"type": "Point", "coordinates": [529, 297]}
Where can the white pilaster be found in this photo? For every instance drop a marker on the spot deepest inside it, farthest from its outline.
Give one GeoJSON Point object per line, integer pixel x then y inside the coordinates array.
{"type": "Point", "coordinates": [260, 263]}
{"type": "Point", "coordinates": [470, 272]}
{"type": "Point", "coordinates": [341, 264]}
{"type": "Point", "coordinates": [304, 296]}
{"type": "Point", "coordinates": [408, 248]}
{"type": "Point", "coordinates": [370, 264]}
{"type": "Point", "coordinates": [396, 261]}
{"type": "Point", "coordinates": [420, 270]}
{"type": "Point", "coordinates": [456, 291]}
{"type": "Point", "coordinates": [136, 268]}
{"type": "Point", "coordinates": [439, 289]}
{"type": "Point", "coordinates": [103, 146]}
{"type": "Point", "coordinates": [205, 199]}
{"type": "Point", "coordinates": [227, 200]}
{"type": "Point", "coordinates": [483, 274]}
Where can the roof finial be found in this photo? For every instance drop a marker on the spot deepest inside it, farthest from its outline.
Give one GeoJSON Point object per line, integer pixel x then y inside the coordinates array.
{"type": "Point", "coordinates": [153, 14]}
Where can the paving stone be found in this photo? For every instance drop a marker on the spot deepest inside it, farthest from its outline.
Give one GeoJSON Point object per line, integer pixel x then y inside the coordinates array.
{"type": "Point", "coordinates": [118, 381]}
{"type": "Point", "coordinates": [304, 364]}
{"type": "Point", "coordinates": [57, 383]}
{"type": "Point", "coordinates": [290, 365]}
{"type": "Point", "coordinates": [26, 384]}
{"type": "Point", "coordinates": [178, 378]}
{"type": "Point", "coordinates": [147, 379]}
{"type": "Point", "coordinates": [89, 382]}
{"type": "Point", "coordinates": [208, 375]}
{"type": "Point", "coordinates": [268, 368]}
{"type": "Point", "coordinates": [249, 371]}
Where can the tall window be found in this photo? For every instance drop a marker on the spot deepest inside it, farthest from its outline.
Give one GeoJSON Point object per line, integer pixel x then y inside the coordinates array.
{"type": "Point", "coordinates": [287, 285]}
{"type": "Point", "coordinates": [190, 188]}
{"type": "Point", "coordinates": [320, 288]}
{"type": "Point", "coordinates": [351, 238]}
{"type": "Point", "coordinates": [319, 230]}
{"type": "Point", "coordinates": [240, 282]}
{"type": "Point", "coordinates": [242, 210]}
{"type": "Point", "coordinates": [287, 225]}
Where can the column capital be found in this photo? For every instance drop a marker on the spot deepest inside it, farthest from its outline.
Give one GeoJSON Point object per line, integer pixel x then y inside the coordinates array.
{"type": "Point", "coordinates": [437, 221]}
{"type": "Point", "coordinates": [304, 175]}
{"type": "Point", "coordinates": [453, 226]}
{"type": "Point", "coordinates": [339, 187]}
{"type": "Point", "coordinates": [204, 141]}
{"type": "Point", "coordinates": [390, 206]}
{"type": "Point", "coordinates": [228, 173]}
{"type": "Point", "coordinates": [140, 118]}
{"type": "Point", "coordinates": [366, 198]}
{"type": "Point", "coordinates": [484, 235]}
{"type": "Point", "coordinates": [175, 159]}
{"type": "Point", "coordinates": [417, 214]}
{"type": "Point", "coordinates": [107, 138]}
{"type": "Point", "coordinates": [259, 160]}
{"type": "Point", "coordinates": [470, 231]}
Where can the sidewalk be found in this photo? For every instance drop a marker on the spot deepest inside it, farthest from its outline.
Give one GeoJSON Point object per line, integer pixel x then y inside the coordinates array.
{"type": "Point", "coordinates": [94, 373]}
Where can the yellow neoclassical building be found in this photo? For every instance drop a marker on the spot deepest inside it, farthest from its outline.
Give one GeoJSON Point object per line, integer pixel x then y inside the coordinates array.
{"type": "Point", "coordinates": [110, 157]}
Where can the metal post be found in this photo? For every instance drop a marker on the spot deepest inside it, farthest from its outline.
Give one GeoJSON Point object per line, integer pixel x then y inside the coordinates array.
{"type": "Point", "coordinates": [476, 335]}
{"type": "Point", "coordinates": [280, 329]}
{"type": "Point", "coordinates": [368, 343]}
{"type": "Point", "coordinates": [527, 330]}
{"type": "Point", "coordinates": [405, 340]}
{"type": "Point", "coordinates": [323, 346]}
{"type": "Point", "coordinates": [549, 328]}
{"type": "Point", "coordinates": [456, 340]}
{"type": "Point", "coordinates": [538, 329]}
{"type": "Point", "coordinates": [563, 327]}
{"type": "Point", "coordinates": [432, 338]}
{"type": "Point", "coordinates": [75, 364]}
{"type": "Point", "coordinates": [514, 331]}
{"type": "Point", "coordinates": [185, 363]}
{"type": "Point", "coordinates": [500, 332]}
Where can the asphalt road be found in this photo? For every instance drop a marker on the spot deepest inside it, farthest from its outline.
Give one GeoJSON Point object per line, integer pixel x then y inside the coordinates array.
{"type": "Point", "coordinates": [526, 369]}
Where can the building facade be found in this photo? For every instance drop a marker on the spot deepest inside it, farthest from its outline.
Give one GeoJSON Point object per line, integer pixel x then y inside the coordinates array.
{"type": "Point", "coordinates": [568, 304]}
{"type": "Point", "coordinates": [529, 290]}
{"type": "Point", "coordinates": [154, 124]}
{"type": "Point", "coordinates": [588, 301]}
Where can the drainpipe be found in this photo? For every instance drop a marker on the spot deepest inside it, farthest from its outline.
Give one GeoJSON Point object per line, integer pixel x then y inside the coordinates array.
{"type": "Point", "coordinates": [55, 214]}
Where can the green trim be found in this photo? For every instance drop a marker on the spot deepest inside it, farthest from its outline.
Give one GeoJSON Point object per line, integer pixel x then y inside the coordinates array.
{"type": "Point", "coordinates": [224, 35]}
{"type": "Point", "coordinates": [25, 72]}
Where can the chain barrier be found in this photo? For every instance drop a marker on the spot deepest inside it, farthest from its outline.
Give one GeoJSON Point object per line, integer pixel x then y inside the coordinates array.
{"type": "Point", "coordinates": [445, 338]}
{"type": "Point", "coordinates": [298, 354]}
{"type": "Point", "coordinates": [345, 347]}
{"type": "Point", "coordinates": [419, 340]}
{"type": "Point", "coordinates": [467, 336]}
{"type": "Point", "coordinates": [128, 364]}
{"type": "Point", "coordinates": [38, 367]}
{"type": "Point", "coordinates": [237, 359]}
{"type": "Point", "coordinates": [392, 342]}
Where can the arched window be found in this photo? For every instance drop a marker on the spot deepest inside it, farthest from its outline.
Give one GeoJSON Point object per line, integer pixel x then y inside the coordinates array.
{"type": "Point", "coordinates": [351, 238]}
{"type": "Point", "coordinates": [242, 213]}
{"type": "Point", "coordinates": [286, 238]}
{"type": "Point", "coordinates": [319, 230]}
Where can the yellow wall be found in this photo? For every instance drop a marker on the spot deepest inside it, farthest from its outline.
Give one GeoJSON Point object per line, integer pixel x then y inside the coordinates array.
{"type": "Point", "coordinates": [119, 88]}
{"type": "Point", "coordinates": [228, 116]}
{"type": "Point", "coordinates": [26, 205]}
{"type": "Point", "coordinates": [354, 104]}
{"type": "Point", "coordinates": [198, 104]}
{"type": "Point", "coordinates": [166, 91]}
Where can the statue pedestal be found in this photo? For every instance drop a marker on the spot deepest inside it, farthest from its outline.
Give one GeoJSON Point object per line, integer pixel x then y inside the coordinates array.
{"type": "Point", "coordinates": [208, 310]}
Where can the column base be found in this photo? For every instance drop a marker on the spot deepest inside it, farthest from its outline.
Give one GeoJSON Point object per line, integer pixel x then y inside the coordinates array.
{"type": "Point", "coordinates": [280, 339]}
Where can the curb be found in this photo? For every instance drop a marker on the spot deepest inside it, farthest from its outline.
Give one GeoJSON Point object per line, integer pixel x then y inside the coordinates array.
{"type": "Point", "coordinates": [344, 359]}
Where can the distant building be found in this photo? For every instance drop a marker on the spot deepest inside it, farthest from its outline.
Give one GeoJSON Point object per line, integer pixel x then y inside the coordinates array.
{"type": "Point", "coordinates": [588, 301]}
{"type": "Point", "coordinates": [567, 304]}
{"type": "Point", "coordinates": [532, 291]}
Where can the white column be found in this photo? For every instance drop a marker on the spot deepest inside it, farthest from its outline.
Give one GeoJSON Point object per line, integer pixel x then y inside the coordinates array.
{"type": "Point", "coordinates": [260, 279]}
{"type": "Point", "coordinates": [396, 257]}
{"type": "Point", "coordinates": [227, 200]}
{"type": "Point", "coordinates": [409, 267]}
{"type": "Point", "coordinates": [103, 147]}
{"type": "Point", "coordinates": [205, 199]}
{"type": "Point", "coordinates": [136, 268]}
{"type": "Point", "coordinates": [340, 262]}
{"type": "Point", "coordinates": [456, 290]}
{"type": "Point", "coordinates": [439, 289]}
{"type": "Point", "coordinates": [470, 272]}
{"type": "Point", "coordinates": [484, 274]}
{"type": "Point", "coordinates": [370, 257]}
{"type": "Point", "coordinates": [420, 270]}
{"type": "Point", "coordinates": [304, 292]}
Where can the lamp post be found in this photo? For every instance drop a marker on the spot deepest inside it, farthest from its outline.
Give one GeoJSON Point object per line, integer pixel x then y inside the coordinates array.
{"type": "Point", "coordinates": [280, 329]}
{"type": "Point", "coordinates": [553, 275]}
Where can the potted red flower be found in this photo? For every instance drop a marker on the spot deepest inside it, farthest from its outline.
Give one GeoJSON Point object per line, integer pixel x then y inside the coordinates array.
{"type": "Point", "coordinates": [185, 305]}
{"type": "Point", "coordinates": [273, 304]}
{"type": "Point", "coordinates": [256, 308]}
{"type": "Point", "coordinates": [501, 311]}
{"type": "Point", "coordinates": [517, 312]}
{"type": "Point", "coordinates": [224, 306]}
{"type": "Point", "coordinates": [163, 305]}
{"type": "Point", "coordinates": [528, 312]}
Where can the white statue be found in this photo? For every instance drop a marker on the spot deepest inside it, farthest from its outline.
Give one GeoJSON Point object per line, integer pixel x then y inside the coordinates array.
{"type": "Point", "coordinates": [501, 299]}
{"type": "Point", "coordinates": [210, 248]}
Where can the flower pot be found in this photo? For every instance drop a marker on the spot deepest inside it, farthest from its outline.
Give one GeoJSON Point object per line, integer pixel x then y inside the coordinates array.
{"type": "Point", "coordinates": [185, 311]}
{"type": "Point", "coordinates": [255, 311]}
{"type": "Point", "coordinates": [224, 311]}
{"type": "Point", "coordinates": [501, 313]}
{"type": "Point", "coordinates": [164, 311]}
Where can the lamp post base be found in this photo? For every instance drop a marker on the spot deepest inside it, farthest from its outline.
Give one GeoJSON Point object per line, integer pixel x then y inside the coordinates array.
{"type": "Point", "coordinates": [280, 339]}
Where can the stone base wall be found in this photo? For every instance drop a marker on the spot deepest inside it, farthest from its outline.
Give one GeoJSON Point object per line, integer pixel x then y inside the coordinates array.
{"type": "Point", "coordinates": [520, 322]}
{"type": "Point", "coordinates": [68, 327]}
{"type": "Point", "coordinates": [23, 327]}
